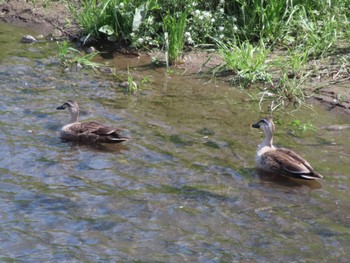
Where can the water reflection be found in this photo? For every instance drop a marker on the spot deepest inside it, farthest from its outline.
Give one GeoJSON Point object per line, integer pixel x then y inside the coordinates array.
{"type": "Point", "coordinates": [276, 179]}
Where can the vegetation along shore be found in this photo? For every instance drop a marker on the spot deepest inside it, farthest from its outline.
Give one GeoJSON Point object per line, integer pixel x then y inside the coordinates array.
{"type": "Point", "coordinates": [290, 50]}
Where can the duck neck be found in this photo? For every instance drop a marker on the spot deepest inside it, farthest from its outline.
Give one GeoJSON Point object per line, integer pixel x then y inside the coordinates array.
{"type": "Point", "coordinates": [74, 114]}
{"type": "Point", "coordinates": [268, 141]}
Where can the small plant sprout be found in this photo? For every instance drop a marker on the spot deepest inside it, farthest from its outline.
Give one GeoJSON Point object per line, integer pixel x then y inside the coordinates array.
{"type": "Point", "coordinates": [302, 127]}
{"type": "Point", "coordinates": [70, 56]}
{"type": "Point", "coordinates": [132, 86]}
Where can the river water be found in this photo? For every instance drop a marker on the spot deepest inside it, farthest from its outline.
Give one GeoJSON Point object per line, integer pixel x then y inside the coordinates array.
{"type": "Point", "coordinates": [184, 189]}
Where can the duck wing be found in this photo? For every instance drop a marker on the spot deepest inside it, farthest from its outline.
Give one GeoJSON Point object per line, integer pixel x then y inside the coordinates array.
{"type": "Point", "coordinates": [294, 165]}
{"type": "Point", "coordinates": [110, 134]}
{"type": "Point", "coordinates": [98, 132]}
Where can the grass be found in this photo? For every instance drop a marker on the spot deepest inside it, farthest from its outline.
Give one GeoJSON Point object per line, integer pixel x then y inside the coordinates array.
{"type": "Point", "coordinates": [316, 36]}
{"type": "Point", "coordinates": [298, 127]}
{"type": "Point", "coordinates": [69, 57]}
{"type": "Point", "coordinates": [309, 26]}
{"type": "Point", "coordinates": [111, 19]}
{"type": "Point", "coordinates": [174, 29]}
{"type": "Point", "coordinates": [248, 62]}
{"type": "Point", "coordinates": [264, 19]}
{"type": "Point", "coordinates": [298, 22]}
{"type": "Point", "coordinates": [132, 86]}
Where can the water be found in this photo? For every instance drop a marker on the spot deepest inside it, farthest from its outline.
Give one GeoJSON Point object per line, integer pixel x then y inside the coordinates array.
{"type": "Point", "coordinates": [184, 189]}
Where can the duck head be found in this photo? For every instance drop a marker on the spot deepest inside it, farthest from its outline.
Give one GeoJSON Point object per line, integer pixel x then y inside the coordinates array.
{"type": "Point", "coordinates": [268, 127]}
{"type": "Point", "coordinates": [73, 109]}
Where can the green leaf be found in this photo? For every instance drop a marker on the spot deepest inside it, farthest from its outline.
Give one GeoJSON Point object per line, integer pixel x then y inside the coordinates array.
{"type": "Point", "coordinates": [107, 29]}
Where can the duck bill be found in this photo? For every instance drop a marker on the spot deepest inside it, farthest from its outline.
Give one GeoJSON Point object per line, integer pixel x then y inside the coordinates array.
{"type": "Point", "coordinates": [256, 125]}
{"type": "Point", "coordinates": [62, 107]}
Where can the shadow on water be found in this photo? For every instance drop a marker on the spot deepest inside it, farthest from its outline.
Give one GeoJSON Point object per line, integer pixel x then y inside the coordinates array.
{"type": "Point", "coordinates": [111, 148]}
{"type": "Point", "coordinates": [272, 179]}
{"type": "Point", "coordinates": [184, 189]}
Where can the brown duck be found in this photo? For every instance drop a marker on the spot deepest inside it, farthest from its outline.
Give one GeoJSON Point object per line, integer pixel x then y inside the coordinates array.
{"type": "Point", "coordinates": [89, 132]}
{"type": "Point", "coordinates": [280, 161]}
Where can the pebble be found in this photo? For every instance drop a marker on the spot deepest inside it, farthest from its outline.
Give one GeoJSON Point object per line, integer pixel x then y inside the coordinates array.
{"type": "Point", "coordinates": [91, 50]}
{"type": "Point", "coordinates": [28, 39]}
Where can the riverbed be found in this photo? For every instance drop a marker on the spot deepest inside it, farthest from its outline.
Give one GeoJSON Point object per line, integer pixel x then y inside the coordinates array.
{"type": "Point", "coordinates": [184, 189]}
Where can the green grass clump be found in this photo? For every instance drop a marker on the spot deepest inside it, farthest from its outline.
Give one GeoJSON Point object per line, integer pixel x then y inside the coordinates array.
{"type": "Point", "coordinates": [70, 56]}
{"type": "Point", "coordinates": [246, 60]}
{"type": "Point", "coordinates": [309, 26]}
{"type": "Point", "coordinates": [112, 19]}
{"type": "Point", "coordinates": [132, 86]}
{"type": "Point", "coordinates": [315, 36]}
{"type": "Point", "coordinates": [174, 29]}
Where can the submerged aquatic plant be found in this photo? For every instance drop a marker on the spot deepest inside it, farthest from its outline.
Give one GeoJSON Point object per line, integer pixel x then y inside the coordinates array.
{"type": "Point", "coordinates": [132, 86]}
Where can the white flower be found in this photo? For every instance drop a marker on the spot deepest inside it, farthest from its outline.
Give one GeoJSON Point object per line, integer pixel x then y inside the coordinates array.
{"type": "Point", "coordinates": [194, 4]}
{"type": "Point", "coordinates": [121, 5]}
{"type": "Point", "coordinates": [212, 20]}
{"type": "Point", "coordinates": [234, 19]}
{"type": "Point", "coordinates": [222, 2]}
{"type": "Point", "coordinates": [140, 40]}
{"type": "Point", "coordinates": [221, 10]}
{"type": "Point", "coordinates": [235, 28]}
{"type": "Point", "coordinates": [187, 34]}
{"type": "Point", "coordinates": [221, 28]}
{"type": "Point", "coordinates": [222, 36]}
{"type": "Point", "coordinates": [132, 34]}
{"type": "Point", "coordinates": [190, 40]}
{"type": "Point", "coordinates": [207, 14]}
{"type": "Point", "coordinates": [197, 12]}
{"type": "Point", "coordinates": [153, 43]}
{"type": "Point", "coordinates": [150, 20]}
{"type": "Point", "coordinates": [201, 17]}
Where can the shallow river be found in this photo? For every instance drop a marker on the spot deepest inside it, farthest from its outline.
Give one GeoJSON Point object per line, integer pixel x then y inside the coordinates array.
{"type": "Point", "coordinates": [184, 189]}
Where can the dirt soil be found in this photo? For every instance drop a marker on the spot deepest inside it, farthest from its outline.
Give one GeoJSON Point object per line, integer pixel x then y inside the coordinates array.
{"type": "Point", "coordinates": [331, 87]}
{"type": "Point", "coordinates": [51, 18]}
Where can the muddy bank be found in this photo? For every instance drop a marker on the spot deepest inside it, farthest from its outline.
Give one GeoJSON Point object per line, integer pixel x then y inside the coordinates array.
{"type": "Point", "coordinates": [330, 87]}
{"type": "Point", "coordinates": [44, 18]}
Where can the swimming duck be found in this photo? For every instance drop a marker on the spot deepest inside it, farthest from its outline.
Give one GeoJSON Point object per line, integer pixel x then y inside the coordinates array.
{"type": "Point", "coordinates": [280, 161]}
{"type": "Point", "coordinates": [91, 131]}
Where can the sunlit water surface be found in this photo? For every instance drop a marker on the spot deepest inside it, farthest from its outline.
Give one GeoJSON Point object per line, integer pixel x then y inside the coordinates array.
{"type": "Point", "coordinates": [184, 189]}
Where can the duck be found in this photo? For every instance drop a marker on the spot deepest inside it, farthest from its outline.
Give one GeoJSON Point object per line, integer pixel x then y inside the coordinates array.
{"type": "Point", "coordinates": [280, 161]}
{"type": "Point", "coordinates": [89, 131]}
